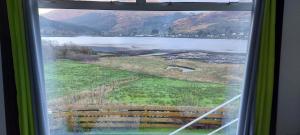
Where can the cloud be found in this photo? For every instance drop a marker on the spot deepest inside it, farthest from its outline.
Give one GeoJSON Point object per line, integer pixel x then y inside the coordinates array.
{"type": "Point", "coordinates": [45, 10]}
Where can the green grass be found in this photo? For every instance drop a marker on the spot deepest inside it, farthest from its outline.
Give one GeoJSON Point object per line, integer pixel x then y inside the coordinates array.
{"type": "Point", "coordinates": [138, 131]}
{"type": "Point", "coordinates": [165, 91]}
{"type": "Point", "coordinates": [152, 131]}
{"type": "Point", "coordinates": [65, 77]}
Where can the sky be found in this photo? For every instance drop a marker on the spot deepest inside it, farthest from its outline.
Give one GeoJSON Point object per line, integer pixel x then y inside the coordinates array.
{"type": "Point", "coordinates": [44, 10]}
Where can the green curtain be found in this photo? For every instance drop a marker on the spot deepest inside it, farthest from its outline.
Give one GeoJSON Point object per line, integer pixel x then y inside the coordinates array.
{"type": "Point", "coordinates": [20, 61]}
{"type": "Point", "coordinates": [265, 77]}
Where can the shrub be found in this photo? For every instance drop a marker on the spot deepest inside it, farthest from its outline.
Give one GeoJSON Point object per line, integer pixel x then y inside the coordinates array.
{"type": "Point", "coordinates": [53, 50]}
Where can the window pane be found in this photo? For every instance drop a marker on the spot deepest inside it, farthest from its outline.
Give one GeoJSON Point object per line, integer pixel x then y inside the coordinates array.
{"type": "Point", "coordinates": [217, 1]}
{"type": "Point", "coordinates": [142, 72]}
{"type": "Point", "coordinates": [158, 1]}
{"type": "Point", "coordinates": [188, 0]}
{"type": "Point", "coordinates": [107, 0]}
{"type": "Point", "coordinates": [99, 0]}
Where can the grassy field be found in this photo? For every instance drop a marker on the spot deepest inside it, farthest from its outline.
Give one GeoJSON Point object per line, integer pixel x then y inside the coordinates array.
{"type": "Point", "coordinates": [139, 131]}
{"type": "Point", "coordinates": [165, 91]}
{"type": "Point", "coordinates": [65, 77]}
{"type": "Point", "coordinates": [152, 131]}
{"type": "Point", "coordinates": [155, 65]}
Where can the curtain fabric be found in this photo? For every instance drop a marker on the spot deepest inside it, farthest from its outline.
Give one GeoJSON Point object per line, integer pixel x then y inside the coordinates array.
{"type": "Point", "coordinates": [265, 72]}
{"type": "Point", "coordinates": [20, 61]}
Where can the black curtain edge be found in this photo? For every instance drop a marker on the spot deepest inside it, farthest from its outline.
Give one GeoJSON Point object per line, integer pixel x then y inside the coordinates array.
{"type": "Point", "coordinates": [278, 39]}
{"type": "Point", "coordinates": [9, 84]}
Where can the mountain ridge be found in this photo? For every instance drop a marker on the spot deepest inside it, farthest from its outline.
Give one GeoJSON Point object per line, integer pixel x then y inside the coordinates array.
{"type": "Point", "coordinates": [133, 23]}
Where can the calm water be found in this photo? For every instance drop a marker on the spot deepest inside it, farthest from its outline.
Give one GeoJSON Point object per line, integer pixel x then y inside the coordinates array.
{"type": "Point", "coordinates": [215, 45]}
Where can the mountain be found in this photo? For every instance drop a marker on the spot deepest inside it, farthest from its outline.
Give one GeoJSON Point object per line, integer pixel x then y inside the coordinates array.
{"type": "Point", "coordinates": [142, 23]}
{"type": "Point", "coordinates": [97, 21]}
{"type": "Point", "coordinates": [54, 28]}
{"type": "Point", "coordinates": [65, 14]}
{"type": "Point", "coordinates": [213, 23]}
{"type": "Point", "coordinates": [126, 22]}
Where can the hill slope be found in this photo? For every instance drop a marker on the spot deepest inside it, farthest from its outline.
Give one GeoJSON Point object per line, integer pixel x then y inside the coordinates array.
{"type": "Point", "coordinates": [132, 23]}
{"type": "Point", "coordinates": [54, 28]}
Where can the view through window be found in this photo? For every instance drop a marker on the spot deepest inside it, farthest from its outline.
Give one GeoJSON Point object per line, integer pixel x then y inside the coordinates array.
{"type": "Point", "coordinates": [143, 72]}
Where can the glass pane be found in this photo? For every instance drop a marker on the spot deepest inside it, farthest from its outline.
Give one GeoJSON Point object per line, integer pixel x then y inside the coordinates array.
{"type": "Point", "coordinates": [217, 1]}
{"type": "Point", "coordinates": [226, 116]}
{"type": "Point", "coordinates": [245, 0]}
{"type": "Point", "coordinates": [99, 0]}
{"type": "Point", "coordinates": [158, 1]}
{"type": "Point", "coordinates": [111, 0]}
{"type": "Point", "coordinates": [142, 72]}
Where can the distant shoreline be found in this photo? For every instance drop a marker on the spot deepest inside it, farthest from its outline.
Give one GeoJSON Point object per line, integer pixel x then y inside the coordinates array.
{"type": "Point", "coordinates": [49, 36]}
{"type": "Point", "coordinates": [197, 55]}
{"type": "Point", "coordinates": [159, 43]}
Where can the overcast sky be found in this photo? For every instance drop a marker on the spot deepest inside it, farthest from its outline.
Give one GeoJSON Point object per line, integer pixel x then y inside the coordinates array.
{"type": "Point", "coordinates": [44, 10]}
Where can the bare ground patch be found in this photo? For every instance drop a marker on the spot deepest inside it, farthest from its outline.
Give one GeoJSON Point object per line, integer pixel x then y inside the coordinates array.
{"type": "Point", "coordinates": [155, 65]}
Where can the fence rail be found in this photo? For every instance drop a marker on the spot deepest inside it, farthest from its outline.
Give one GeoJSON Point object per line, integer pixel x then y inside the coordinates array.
{"type": "Point", "coordinates": [121, 116]}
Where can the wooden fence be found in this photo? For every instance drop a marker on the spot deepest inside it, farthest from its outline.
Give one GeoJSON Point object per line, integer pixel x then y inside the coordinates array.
{"type": "Point", "coordinates": [121, 116]}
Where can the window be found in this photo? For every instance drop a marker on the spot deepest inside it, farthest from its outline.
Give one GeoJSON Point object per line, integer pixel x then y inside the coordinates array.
{"type": "Point", "coordinates": [145, 66]}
